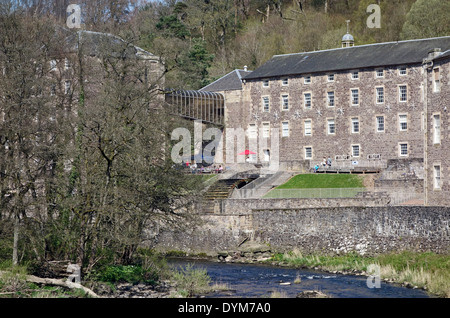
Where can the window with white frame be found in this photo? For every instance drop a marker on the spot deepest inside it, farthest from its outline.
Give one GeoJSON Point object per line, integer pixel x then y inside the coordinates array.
{"type": "Point", "coordinates": [285, 102]}
{"type": "Point", "coordinates": [285, 81]}
{"type": "Point", "coordinates": [355, 75]}
{"type": "Point", "coordinates": [308, 152]}
{"type": "Point", "coordinates": [380, 95]}
{"type": "Point", "coordinates": [380, 123]}
{"type": "Point", "coordinates": [355, 151]}
{"type": "Point", "coordinates": [285, 129]}
{"type": "Point", "coordinates": [379, 73]}
{"type": "Point", "coordinates": [436, 80]}
{"type": "Point", "coordinates": [66, 63]}
{"type": "Point", "coordinates": [252, 131]}
{"type": "Point", "coordinates": [330, 99]}
{"type": "Point", "coordinates": [53, 64]}
{"type": "Point", "coordinates": [403, 149]}
{"type": "Point", "coordinates": [266, 103]}
{"type": "Point", "coordinates": [330, 77]}
{"type": "Point", "coordinates": [436, 176]}
{"type": "Point", "coordinates": [265, 83]}
{"type": "Point", "coordinates": [402, 93]}
{"type": "Point", "coordinates": [403, 122]}
{"type": "Point", "coordinates": [308, 127]}
{"type": "Point", "coordinates": [331, 127]}
{"type": "Point", "coordinates": [67, 85]}
{"type": "Point", "coordinates": [355, 96]}
{"type": "Point", "coordinates": [402, 70]}
{"type": "Point", "coordinates": [307, 100]}
{"type": "Point", "coordinates": [266, 130]}
{"type": "Point", "coordinates": [436, 129]}
{"type": "Point", "coordinates": [355, 125]}
{"type": "Point", "coordinates": [307, 79]}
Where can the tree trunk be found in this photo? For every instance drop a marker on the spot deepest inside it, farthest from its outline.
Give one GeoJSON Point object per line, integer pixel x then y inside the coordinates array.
{"type": "Point", "coordinates": [16, 239]}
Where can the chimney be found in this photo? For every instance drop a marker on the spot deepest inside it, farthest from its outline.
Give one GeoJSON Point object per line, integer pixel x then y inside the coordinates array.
{"type": "Point", "coordinates": [245, 68]}
{"type": "Point", "coordinates": [433, 53]}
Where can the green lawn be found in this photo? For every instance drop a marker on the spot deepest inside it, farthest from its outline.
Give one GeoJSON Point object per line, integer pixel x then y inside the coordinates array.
{"type": "Point", "coordinates": [308, 181]}
{"type": "Point", "coordinates": [319, 186]}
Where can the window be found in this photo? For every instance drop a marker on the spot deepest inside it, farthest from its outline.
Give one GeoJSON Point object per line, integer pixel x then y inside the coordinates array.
{"type": "Point", "coordinates": [380, 123]}
{"type": "Point", "coordinates": [403, 149]}
{"type": "Point", "coordinates": [402, 70]}
{"type": "Point", "coordinates": [380, 95]}
{"type": "Point", "coordinates": [66, 63]}
{"type": "Point", "coordinates": [379, 73]}
{"type": "Point", "coordinates": [355, 75]}
{"type": "Point", "coordinates": [403, 122]}
{"type": "Point", "coordinates": [355, 125]}
{"type": "Point", "coordinates": [52, 65]}
{"type": "Point", "coordinates": [330, 99]}
{"type": "Point", "coordinates": [285, 82]}
{"type": "Point", "coordinates": [285, 102]}
{"type": "Point", "coordinates": [403, 93]}
{"type": "Point", "coordinates": [355, 150]}
{"type": "Point", "coordinates": [308, 127]}
{"type": "Point", "coordinates": [308, 152]}
{"type": "Point", "coordinates": [53, 90]}
{"type": "Point", "coordinates": [266, 130]}
{"type": "Point", "coordinates": [285, 129]}
{"type": "Point", "coordinates": [436, 80]}
{"type": "Point", "coordinates": [67, 87]}
{"type": "Point", "coordinates": [266, 104]}
{"type": "Point", "coordinates": [437, 177]}
{"type": "Point", "coordinates": [331, 127]}
{"type": "Point", "coordinates": [307, 79]}
{"type": "Point", "coordinates": [265, 83]}
{"type": "Point", "coordinates": [307, 100]}
{"type": "Point", "coordinates": [330, 77]}
{"type": "Point", "coordinates": [436, 129]}
{"type": "Point", "coordinates": [355, 96]}
{"type": "Point", "coordinates": [252, 131]}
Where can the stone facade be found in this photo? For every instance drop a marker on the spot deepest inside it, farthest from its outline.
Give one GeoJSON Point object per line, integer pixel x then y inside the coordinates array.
{"type": "Point", "coordinates": [332, 229]}
{"type": "Point", "coordinates": [437, 181]}
{"type": "Point", "coordinates": [356, 135]}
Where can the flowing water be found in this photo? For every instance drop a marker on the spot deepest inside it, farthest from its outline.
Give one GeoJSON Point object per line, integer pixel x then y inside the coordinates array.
{"type": "Point", "coordinates": [260, 281]}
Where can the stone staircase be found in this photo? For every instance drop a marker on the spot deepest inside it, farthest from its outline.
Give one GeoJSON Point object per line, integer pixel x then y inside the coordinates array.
{"type": "Point", "coordinates": [220, 190]}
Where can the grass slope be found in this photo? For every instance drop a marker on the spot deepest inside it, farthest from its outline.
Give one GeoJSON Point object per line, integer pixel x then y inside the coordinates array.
{"type": "Point", "coordinates": [315, 181]}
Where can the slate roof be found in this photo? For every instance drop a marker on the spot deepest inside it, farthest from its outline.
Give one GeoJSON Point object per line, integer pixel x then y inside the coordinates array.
{"type": "Point", "coordinates": [231, 81]}
{"type": "Point", "coordinates": [362, 56]}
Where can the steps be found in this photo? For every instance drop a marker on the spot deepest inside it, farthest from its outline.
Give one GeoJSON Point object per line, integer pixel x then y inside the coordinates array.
{"type": "Point", "coordinates": [220, 190]}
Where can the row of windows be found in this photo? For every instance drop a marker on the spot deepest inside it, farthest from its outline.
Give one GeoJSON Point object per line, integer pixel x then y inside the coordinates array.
{"type": "Point", "coordinates": [331, 126]}
{"type": "Point", "coordinates": [330, 102]}
{"type": "Point", "coordinates": [354, 75]}
{"type": "Point", "coordinates": [355, 150]}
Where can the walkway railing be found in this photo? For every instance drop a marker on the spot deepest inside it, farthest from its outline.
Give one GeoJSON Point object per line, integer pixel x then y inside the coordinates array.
{"type": "Point", "coordinates": [396, 196]}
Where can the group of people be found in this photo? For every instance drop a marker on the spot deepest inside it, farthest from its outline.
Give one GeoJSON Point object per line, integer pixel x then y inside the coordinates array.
{"type": "Point", "coordinates": [202, 169]}
{"type": "Point", "coordinates": [325, 163]}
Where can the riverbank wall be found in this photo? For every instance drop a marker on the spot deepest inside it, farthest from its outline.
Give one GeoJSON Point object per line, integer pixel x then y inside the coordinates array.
{"type": "Point", "coordinates": [315, 226]}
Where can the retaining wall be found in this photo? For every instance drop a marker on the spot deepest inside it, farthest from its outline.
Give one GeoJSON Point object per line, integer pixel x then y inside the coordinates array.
{"type": "Point", "coordinates": [330, 229]}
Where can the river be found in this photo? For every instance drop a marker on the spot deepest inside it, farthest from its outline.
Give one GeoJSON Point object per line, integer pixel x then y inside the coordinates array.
{"type": "Point", "coordinates": [260, 281]}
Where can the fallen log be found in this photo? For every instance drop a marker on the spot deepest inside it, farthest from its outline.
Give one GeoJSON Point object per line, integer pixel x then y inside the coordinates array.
{"type": "Point", "coordinates": [57, 282]}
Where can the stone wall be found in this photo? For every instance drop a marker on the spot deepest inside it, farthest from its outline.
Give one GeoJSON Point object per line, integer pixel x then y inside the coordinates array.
{"type": "Point", "coordinates": [337, 228]}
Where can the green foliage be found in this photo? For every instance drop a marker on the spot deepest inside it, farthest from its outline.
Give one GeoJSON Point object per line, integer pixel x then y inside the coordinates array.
{"type": "Point", "coordinates": [427, 18]}
{"type": "Point", "coordinates": [191, 281]}
{"type": "Point", "coordinates": [173, 27]}
{"type": "Point", "coordinates": [125, 273]}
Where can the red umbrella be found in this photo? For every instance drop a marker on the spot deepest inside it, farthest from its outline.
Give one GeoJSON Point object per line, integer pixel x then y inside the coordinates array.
{"type": "Point", "coordinates": [248, 152]}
